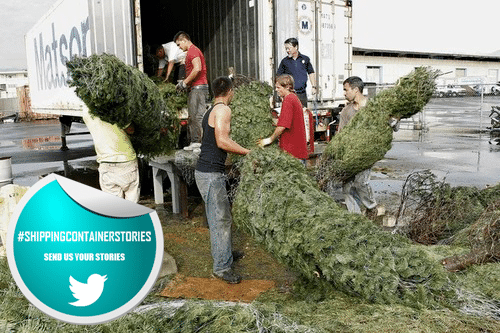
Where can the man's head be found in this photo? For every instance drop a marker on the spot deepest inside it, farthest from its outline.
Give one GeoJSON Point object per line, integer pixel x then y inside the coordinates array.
{"type": "Point", "coordinates": [352, 87]}
{"type": "Point", "coordinates": [223, 87]}
{"type": "Point", "coordinates": [160, 52]}
{"type": "Point", "coordinates": [182, 40]}
{"type": "Point", "coordinates": [292, 47]}
{"type": "Point", "coordinates": [284, 84]}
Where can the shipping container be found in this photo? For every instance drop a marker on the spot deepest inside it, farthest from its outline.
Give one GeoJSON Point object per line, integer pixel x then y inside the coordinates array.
{"type": "Point", "coordinates": [244, 35]}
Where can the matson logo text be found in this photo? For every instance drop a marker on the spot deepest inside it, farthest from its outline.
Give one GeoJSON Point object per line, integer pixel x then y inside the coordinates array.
{"type": "Point", "coordinates": [51, 58]}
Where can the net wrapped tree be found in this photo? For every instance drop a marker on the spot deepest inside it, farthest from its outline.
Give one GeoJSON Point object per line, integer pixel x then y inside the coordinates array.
{"type": "Point", "coordinates": [281, 205]}
{"type": "Point", "coordinates": [368, 136]}
{"type": "Point", "coordinates": [121, 94]}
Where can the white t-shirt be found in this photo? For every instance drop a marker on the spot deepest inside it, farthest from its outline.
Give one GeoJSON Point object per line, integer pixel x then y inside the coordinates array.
{"type": "Point", "coordinates": [111, 143]}
{"type": "Point", "coordinates": [172, 52]}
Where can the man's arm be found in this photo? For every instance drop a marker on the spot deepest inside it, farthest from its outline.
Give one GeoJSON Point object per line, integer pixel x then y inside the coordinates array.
{"type": "Point", "coordinates": [312, 78]}
{"type": "Point", "coordinates": [222, 122]}
{"type": "Point", "coordinates": [267, 141]}
{"type": "Point", "coordinates": [196, 69]}
{"type": "Point", "coordinates": [169, 69]}
{"type": "Point", "coordinates": [161, 65]}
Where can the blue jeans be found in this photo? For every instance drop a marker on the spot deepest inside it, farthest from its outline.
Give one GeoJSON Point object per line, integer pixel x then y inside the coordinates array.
{"type": "Point", "coordinates": [212, 187]}
{"type": "Point", "coordinates": [357, 191]}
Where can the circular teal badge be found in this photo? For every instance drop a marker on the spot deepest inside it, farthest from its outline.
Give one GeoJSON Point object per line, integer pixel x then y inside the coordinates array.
{"type": "Point", "coordinates": [81, 255]}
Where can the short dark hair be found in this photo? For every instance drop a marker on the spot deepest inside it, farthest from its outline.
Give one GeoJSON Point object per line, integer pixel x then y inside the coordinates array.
{"type": "Point", "coordinates": [355, 82]}
{"type": "Point", "coordinates": [160, 50]}
{"type": "Point", "coordinates": [292, 41]}
{"type": "Point", "coordinates": [221, 86]}
{"type": "Point", "coordinates": [183, 35]}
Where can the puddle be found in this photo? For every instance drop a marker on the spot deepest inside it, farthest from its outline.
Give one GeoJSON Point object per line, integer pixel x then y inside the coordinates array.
{"type": "Point", "coordinates": [39, 143]}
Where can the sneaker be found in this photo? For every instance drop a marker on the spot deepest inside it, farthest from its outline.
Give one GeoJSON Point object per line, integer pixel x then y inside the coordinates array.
{"type": "Point", "coordinates": [193, 145]}
{"type": "Point", "coordinates": [375, 212]}
{"type": "Point", "coordinates": [380, 210]}
{"type": "Point", "coordinates": [228, 276]}
{"type": "Point", "coordinates": [237, 255]}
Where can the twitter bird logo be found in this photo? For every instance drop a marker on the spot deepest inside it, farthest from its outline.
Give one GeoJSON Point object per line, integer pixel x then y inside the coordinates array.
{"type": "Point", "coordinates": [87, 293]}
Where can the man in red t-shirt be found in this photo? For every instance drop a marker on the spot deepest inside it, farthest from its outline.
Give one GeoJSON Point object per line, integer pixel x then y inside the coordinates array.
{"type": "Point", "coordinates": [196, 80]}
{"type": "Point", "coordinates": [290, 128]}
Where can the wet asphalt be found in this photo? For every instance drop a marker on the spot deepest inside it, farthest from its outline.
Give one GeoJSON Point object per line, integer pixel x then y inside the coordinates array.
{"type": "Point", "coordinates": [35, 149]}
{"type": "Point", "coordinates": [454, 144]}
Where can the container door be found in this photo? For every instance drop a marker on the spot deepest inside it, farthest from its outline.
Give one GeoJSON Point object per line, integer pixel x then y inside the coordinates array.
{"type": "Point", "coordinates": [112, 27]}
{"type": "Point", "coordinates": [227, 33]}
{"type": "Point", "coordinates": [342, 46]}
{"type": "Point", "coordinates": [323, 30]}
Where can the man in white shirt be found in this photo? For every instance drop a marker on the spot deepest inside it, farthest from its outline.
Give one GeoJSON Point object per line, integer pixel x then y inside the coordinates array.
{"type": "Point", "coordinates": [118, 166]}
{"type": "Point", "coordinates": [170, 53]}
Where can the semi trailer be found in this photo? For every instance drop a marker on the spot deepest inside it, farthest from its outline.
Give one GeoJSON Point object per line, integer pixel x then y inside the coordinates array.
{"type": "Point", "coordinates": [238, 36]}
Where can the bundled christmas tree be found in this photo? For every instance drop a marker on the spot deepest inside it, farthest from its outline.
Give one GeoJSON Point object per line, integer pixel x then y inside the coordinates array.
{"type": "Point", "coordinates": [123, 95]}
{"type": "Point", "coordinates": [283, 208]}
{"type": "Point", "coordinates": [484, 237]}
{"type": "Point", "coordinates": [251, 113]}
{"type": "Point", "coordinates": [368, 136]}
{"type": "Point", "coordinates": [174, 99]}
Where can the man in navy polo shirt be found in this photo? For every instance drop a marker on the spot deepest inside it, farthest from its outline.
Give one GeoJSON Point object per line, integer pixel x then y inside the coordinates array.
{"type": "Point", "coordinates": [299, 67]}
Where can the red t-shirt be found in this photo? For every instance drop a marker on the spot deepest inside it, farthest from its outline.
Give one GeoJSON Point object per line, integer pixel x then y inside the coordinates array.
{"type": "Point", "coordinates": [293, 138]}
{"type": "Point", "coordinates": [192, 53]}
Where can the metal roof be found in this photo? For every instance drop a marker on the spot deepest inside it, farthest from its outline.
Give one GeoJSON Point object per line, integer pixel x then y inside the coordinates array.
{"type": "Point", "coordinates": [424, 55]}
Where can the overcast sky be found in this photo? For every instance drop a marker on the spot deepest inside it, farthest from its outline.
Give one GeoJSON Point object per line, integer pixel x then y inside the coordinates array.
{"type": "Point", "coordinates": [456, 26]}
{"type": "Point", "coordinates": [427, 25]}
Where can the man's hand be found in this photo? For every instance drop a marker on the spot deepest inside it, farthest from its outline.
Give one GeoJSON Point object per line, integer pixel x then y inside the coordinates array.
{"type": "Point", "coordinates": [129, 129]}
{"type": "Point", "coordinates": [264, 142]}
{"type": "Point", "coordinates": [181, 86]}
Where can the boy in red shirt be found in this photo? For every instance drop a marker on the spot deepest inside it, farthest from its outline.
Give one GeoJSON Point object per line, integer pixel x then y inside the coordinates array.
{"type": "Point", "coordinates": [290, 128]}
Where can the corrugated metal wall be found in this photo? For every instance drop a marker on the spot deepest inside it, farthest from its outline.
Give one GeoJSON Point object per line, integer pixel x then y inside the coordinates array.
{"type": "Point", "coordinates": [112, 25]}
{"type": "Point", "coordinates": [226, 30]}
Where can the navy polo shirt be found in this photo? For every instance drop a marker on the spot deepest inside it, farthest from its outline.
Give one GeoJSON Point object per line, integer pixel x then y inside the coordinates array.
{"type": "Point", "coordinates": [299, 69]}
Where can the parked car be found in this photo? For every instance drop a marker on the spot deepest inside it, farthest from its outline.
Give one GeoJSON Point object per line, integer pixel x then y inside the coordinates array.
{"type": "Point", "coordinates": [450, 91]}
{"type": "Point", "coordinates": [495, 90]}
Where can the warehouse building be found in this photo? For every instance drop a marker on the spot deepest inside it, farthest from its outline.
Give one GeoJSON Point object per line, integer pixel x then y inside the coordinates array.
{"type": "Point", "coordinates": [10, 80]}
{"type": "Point", "coordinates": [381, 67]}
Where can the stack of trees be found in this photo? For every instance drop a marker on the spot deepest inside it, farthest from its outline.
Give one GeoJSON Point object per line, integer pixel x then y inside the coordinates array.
{"type": "Point", "coordinates": [281, 205]}
{"type": "Point", "coordinates": [368, 136]}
